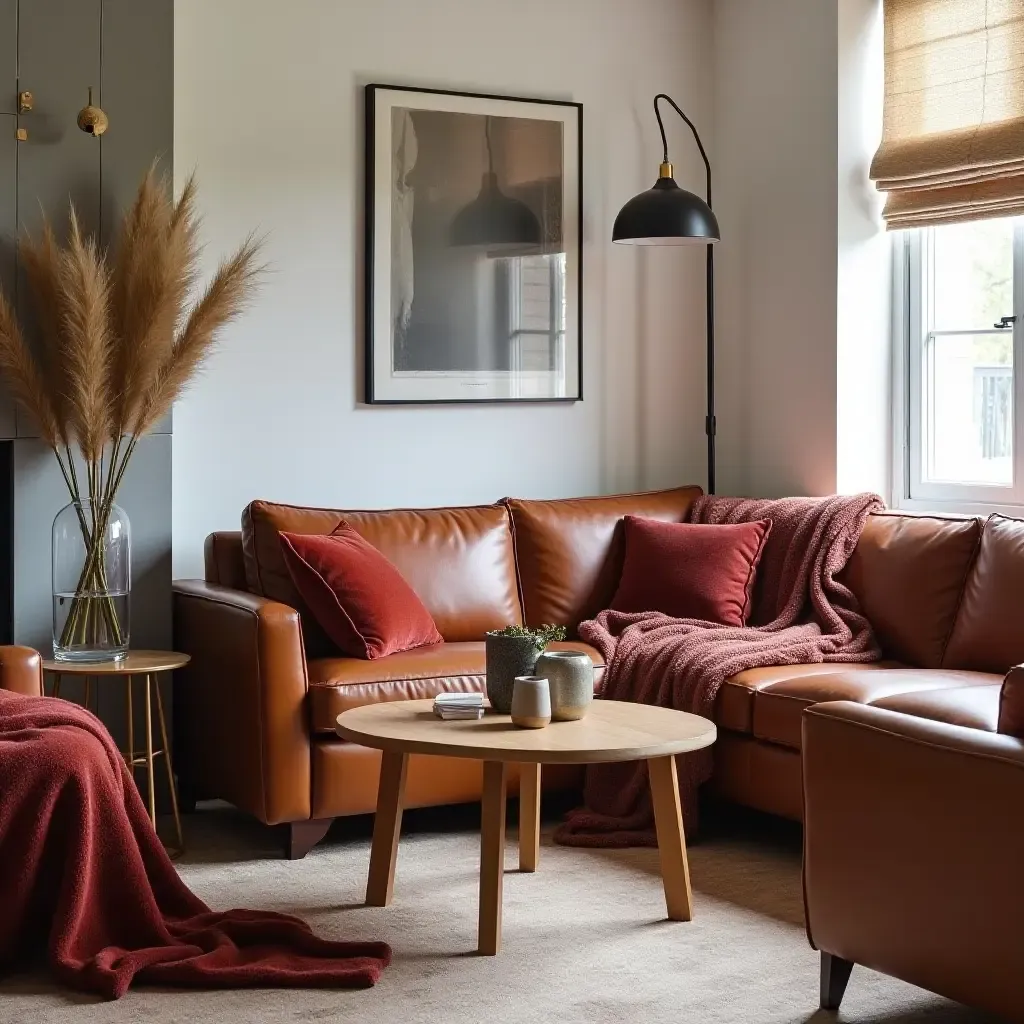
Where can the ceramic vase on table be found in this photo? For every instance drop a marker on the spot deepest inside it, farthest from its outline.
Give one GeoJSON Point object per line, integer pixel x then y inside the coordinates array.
{"type": "Point", "coordinates": [570, 676]}
{"type": "Point", "coordinates": [507, 657]}
{"type": "Point", "coordinates": [531, 702]}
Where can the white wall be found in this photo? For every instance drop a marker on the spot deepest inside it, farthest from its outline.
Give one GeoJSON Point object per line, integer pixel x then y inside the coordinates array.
{"type": "Point", "coordinates": [864, 271]}
{"type": "Point", "coordinates": [268, 110]}
{"type": "Point", "coordinates": [776, 150]}
{"type": "Point", "coordinates": [804, 287]}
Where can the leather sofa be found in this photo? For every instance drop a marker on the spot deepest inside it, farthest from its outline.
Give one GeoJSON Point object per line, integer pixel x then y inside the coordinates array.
{"type": "Point", "coordinates": [255, 708]}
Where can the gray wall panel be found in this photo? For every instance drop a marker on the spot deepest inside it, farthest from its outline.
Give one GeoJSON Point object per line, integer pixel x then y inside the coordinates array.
{"type": "Point", "coordinates": [138, 96]}
{"type": "Point", "coordinates": [8, 233]}
{"type": "Point", "coordinates": [8, 56]}
{"type": "Point", "coordinates": [58, 59]}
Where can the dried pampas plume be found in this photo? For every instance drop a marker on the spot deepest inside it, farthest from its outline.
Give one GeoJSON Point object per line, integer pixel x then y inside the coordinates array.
{"type": "Point", "coordinates": [118, 338]}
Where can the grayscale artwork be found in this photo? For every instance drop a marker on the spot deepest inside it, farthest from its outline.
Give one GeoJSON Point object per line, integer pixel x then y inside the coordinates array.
{"type": "Point", "coordinates": [473, 248]}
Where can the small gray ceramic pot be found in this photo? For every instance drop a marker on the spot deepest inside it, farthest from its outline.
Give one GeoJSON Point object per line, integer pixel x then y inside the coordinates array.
{"type": "Point", "coordinates": [570, 676]}
{"type": "Point", "coordinates": [507, 657]}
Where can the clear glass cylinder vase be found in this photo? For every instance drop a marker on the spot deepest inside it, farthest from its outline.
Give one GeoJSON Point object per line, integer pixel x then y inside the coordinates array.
{"type": "Point", "coordinates": [92, 556]}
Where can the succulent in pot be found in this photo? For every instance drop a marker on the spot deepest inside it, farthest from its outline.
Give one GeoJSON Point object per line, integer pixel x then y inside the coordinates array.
{"type": "Point", "coordinates": [513, 651]}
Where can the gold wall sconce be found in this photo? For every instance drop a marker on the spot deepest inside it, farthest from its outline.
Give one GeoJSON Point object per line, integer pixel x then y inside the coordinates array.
{"type": "Point", "coordinates": [92, 120]}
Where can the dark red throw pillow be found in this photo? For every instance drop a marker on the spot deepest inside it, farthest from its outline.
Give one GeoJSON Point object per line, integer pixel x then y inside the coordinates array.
{"type": "Point", "coordinates": [690, 570]}
{"type": "Point", "coordinates": [358, 597]}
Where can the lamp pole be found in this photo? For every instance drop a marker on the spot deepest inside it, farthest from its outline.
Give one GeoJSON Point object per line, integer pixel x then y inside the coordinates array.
{"type": "Point", "coordinates": [669, 215]}
{"type": "Point", "coordinates": [710, 425]}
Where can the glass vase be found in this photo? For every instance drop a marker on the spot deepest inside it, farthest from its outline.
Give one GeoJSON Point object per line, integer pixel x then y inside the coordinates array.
{"type": "Point", "coordinates": [92, 553]}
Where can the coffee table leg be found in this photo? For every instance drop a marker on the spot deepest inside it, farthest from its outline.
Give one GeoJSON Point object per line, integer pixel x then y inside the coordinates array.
{"type": "Point", "coordinates": [529, 816]}
{"type": "Point", "coordinates": [387, 825]}
{"type": "Point", "coordinates": [668, 819]}
{"type": "Point", "coordinates": [492, 857]}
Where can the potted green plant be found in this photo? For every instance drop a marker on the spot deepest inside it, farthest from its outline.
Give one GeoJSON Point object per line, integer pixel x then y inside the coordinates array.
{"type": "Point", "coordinates": [513, 651]}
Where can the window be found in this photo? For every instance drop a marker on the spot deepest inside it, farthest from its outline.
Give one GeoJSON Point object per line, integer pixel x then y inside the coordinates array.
{"type": "Point", "coordinates": [963, 389]}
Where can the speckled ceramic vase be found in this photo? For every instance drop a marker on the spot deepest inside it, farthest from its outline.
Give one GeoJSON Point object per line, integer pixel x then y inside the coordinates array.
{"type": "Point", "coordinates": [570, 676]}
{"type": "Point", "coordinates": [507, 657]}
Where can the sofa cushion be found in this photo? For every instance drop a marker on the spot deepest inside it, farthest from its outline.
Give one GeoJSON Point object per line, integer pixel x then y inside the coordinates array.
{"type": "Point", "coordinates": [777, 708]}
{"type": "Point", "coordinates": [734, 705]}
{"type": "Point", "coordinates": [908, 574]}
{"type": "Point", "coordinates": [690, 570]}
{"type": "Point", "coordinates": [570, 551]}
{"type": "Point", "coordinates": [337, 684]}
{"type": "Point", "coordinates": [989, 631]}
{"type": "Point", "coordinates": [459, 561]}
{"type": "Point", "coordinates": [976, 706]}
{"type": "Point", "coordinates": [357, 595]}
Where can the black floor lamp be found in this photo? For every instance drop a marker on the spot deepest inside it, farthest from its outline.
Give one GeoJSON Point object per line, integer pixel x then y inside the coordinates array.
{"type": "Point", "coordinates": [669, 215]}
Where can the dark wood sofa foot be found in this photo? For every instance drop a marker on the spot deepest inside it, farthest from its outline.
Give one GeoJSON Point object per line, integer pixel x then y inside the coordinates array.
{"type": "Point", "coordinates": [835, 973]}
{"type": "Point", "coordinates": [302, 836]}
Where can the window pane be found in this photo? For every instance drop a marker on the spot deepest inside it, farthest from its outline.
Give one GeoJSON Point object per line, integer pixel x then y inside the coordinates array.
{"type": "Point", "coordinates": [968, 408]}
{"type": "Point", "coordinates": [972, 267]}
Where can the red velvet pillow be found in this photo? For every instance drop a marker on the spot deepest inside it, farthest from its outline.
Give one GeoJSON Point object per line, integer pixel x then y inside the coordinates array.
{"type": "Point", "coordinates": [690, 570]}
{"type": "Point", "coordinates": [356, 594]}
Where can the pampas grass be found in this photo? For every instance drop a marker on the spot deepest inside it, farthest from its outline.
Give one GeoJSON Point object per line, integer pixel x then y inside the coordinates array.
{"type": "Point", "coordinates": [119, 341]}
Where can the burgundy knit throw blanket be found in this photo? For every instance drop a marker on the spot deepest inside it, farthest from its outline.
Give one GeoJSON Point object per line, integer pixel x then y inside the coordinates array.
{"type": "Point", "coordinates": [86, 887]}
{"type": "Point", "coordinates": [802, 614]}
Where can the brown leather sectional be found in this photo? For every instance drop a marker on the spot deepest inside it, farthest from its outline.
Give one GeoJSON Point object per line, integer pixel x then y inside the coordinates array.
{"type": "Point", "coordinates": [255, 709]}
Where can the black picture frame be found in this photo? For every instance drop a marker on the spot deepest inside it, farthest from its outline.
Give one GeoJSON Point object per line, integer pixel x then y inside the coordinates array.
{"type": "Point", "coordinates": [379, 334]}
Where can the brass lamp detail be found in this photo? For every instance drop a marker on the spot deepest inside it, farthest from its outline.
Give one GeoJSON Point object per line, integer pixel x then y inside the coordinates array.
{"type": "Point", "coordinates": [92, 120]}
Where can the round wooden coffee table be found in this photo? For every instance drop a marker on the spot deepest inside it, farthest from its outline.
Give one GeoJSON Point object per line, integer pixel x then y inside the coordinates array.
{"type": "Point", "coordinates": [611, 731]}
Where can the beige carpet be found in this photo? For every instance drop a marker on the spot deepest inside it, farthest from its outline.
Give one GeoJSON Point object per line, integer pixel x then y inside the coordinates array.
{"type": "Point", "coordinates": [584, 938]}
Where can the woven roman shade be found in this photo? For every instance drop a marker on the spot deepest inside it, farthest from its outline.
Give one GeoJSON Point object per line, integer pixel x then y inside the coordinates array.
{"type": "Point", "coordinates": [953, 123]}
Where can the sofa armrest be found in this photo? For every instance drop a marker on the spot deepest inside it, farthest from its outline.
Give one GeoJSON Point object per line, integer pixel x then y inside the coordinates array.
{"type": "Point", "coordinates": [240, 715]}
{"type": "Point", "coordinates": [21, 670]}
{"type": "Point", "coordinates": [1011, 703]}
{"type": "Point", "coordinates": [913, 843]}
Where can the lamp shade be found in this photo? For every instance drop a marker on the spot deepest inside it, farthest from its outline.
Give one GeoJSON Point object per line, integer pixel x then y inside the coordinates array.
{"type": "Point", "coordinates": [665, 215]}
{"type": "Point", "coordinates": [494, 219]}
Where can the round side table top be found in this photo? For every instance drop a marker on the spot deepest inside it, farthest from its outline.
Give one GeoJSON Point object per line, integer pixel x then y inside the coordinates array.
{"type": "Point", "coordinates": [135, 663]}
{"type": "Point", "coordinates": [611, 731]}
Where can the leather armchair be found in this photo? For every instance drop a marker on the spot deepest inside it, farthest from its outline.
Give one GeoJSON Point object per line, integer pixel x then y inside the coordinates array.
{"type": "Point", "coordinates": [913, 843]}
{"type": "Point", "coordinates": [21, 670]}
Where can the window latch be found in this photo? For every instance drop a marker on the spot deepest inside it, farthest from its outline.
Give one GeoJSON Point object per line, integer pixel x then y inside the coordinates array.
{"type": "Point", "coordinates": [1005, 323]}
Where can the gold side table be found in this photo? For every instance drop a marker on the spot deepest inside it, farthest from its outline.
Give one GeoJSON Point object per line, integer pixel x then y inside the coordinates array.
{"type": "Point", "coordinates": [147, 665]}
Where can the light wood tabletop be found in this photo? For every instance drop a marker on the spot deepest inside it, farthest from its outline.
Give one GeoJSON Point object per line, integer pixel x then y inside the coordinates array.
{"type": "Point", "coordinates": [611, 731]}
{"type": "Point", "coordinates": [134, 663]}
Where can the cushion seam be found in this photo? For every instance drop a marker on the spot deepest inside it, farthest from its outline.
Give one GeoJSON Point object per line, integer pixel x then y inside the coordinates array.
{"type": "Point", "coordinates": [971, 562]}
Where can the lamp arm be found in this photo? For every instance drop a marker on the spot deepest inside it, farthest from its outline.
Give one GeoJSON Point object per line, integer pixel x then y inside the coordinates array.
{"type": "Point", "coordinates": [664, 140]}
{"type": "Point", "coordinates": [710, 422]}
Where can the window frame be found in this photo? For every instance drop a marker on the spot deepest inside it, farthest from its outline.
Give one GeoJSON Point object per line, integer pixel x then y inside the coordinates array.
{"type": "Point", "coordinates": [910, 301]}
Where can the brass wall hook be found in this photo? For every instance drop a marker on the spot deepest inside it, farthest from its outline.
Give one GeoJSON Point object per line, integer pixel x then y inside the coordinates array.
{"type": "Point", "coordinates": [92, 120]}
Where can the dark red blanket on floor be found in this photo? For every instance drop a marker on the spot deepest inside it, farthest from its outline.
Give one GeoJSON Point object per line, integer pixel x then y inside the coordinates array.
{"type": "Point", "coordinates": [802, 615]}
{"type": "Point", "coordinates": [86, 885]}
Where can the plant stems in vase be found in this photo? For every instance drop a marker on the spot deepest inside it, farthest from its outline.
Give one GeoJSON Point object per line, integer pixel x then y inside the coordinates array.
{"type": "Point", "coordinates": [121, 337]}
{"type": "Point", "coordinates": [511, 652]}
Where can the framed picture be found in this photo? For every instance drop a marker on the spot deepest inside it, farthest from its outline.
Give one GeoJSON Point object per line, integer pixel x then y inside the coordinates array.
{"type": "Point", "coordinates": [474, 255]}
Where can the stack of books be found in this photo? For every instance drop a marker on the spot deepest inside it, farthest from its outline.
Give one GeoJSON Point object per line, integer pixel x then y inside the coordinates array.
{"type": "Point", "coordinates": [451, 706]}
